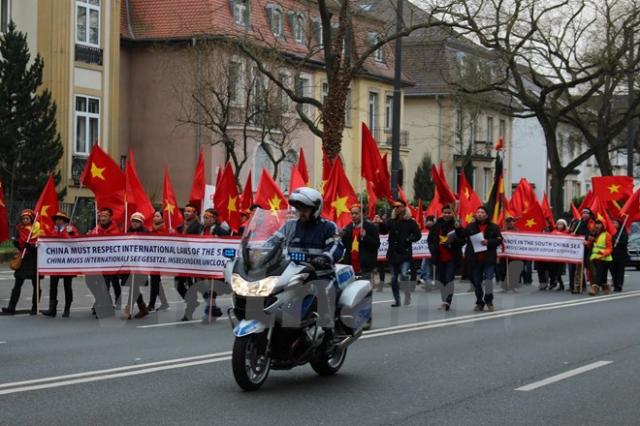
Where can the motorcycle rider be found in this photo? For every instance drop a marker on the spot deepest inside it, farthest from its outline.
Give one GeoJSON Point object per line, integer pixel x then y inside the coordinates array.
{"type": "Point", "coordinates": [316, 237]}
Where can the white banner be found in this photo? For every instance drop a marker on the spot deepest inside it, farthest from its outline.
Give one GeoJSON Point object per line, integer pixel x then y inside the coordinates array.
{"type": "Point", "coordinates": [420, 248]}
{"type": "Point", "coordinates": [543, 246]}
{"type": "Point", "coordinates": [153, 254]}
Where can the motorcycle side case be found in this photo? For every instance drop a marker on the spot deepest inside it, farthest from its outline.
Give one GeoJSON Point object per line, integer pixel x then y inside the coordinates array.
{"type": "Point", "coordinates": [355, 305]}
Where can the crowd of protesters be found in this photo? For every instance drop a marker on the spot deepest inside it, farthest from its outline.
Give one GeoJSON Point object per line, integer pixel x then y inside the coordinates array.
{"type": "Point", "coordinates": [450, 245]}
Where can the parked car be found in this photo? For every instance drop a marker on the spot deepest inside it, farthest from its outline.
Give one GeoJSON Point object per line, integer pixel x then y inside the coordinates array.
{"type": "Point", "coordinates": [634, 250]}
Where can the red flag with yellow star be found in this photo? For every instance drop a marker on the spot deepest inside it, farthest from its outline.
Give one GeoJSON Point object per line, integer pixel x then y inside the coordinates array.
{"type": "Point", "coordinates": [546, 209]}
{"type": "Point", "coordinates": [137, 198]}
{"type": "Point", "coordinates": [631, 209]}
{"type": "Point", "coordinates": [370, 158]}
{"type": "Point", "coordinates": [103, 176]}
{"type": "Point", "coordinates": [446, 196]}
{"type": "Point", "coordinates": [4, 222]}
{"type": "Point", "coordinates": [47, 206]}
{"type": "Point", "coordinates": [269, 195]}
{"type": "Point", "coordinates": [469, 201]}
{"type": "Point", "coordinates": [226, 200]}
{"type": "Point", "coordinates": [600, 212]}
{"type": "Point", "coordinates": [197, 187]}
{"type": "Point", "coordinates": [170, 212]}
{"type": "Point", "coordinates": [419, 215]}
{"type": "Point", "coordinates": [532, 220]}
{"type": "Point", "coordinates": [302, 168]}
{"type": "Point", "coordinates": [523, 196]}
{"type": "Point", "coordinates": [612, 187]}
{"type": "Point", "coordinates": [435, 206]}
{"type": "Point", "coordinates": [338, 196]}
{"type": "Point", "coordinates": [373, 199]}
{"type": "Point", "coordinates": [296, 181]}
{"type": "Point", "coordinates": [246, 200]}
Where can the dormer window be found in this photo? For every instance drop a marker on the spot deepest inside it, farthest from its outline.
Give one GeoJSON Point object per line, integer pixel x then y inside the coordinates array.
{"type": "Point", "coordinates": [241, 12]}
{"type": "Point", "coordinates": [298, 24]}
{"type": "Point", "coordinates": [276, 20]}
{"type": "Point", "coordinates": [378, 54]}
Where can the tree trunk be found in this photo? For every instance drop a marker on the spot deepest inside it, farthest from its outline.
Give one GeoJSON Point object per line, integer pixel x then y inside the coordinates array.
{"type": "Point", "coordinates": [556, 196]}
{"type": "Point", "coordinates": [602, 157]}
{"type": "Point", "coordinates": [333, 117]}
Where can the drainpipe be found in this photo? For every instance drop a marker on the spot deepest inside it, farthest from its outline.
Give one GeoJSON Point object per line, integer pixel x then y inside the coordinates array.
{"type": "Point", "coordinates": [198, 86]}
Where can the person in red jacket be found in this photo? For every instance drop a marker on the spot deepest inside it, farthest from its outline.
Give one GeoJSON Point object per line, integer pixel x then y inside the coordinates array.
{"type": "Point", "coordinates": [28, 233]}
{"type": "Point", "coordinates": [104, 303]}
{"type": "Point", "coordinates": [62, 229]}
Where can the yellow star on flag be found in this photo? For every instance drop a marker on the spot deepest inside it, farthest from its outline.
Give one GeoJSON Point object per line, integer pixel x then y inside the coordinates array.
{"type": "Point", "coordinates": [530, 223]}
{"type": "Point", "coordinates": [599, 217]}
{"type": "Point", "coordinates": [469, 217]}
{"type": "Point", "coordinates": [467, 195]}
{"type": "Point", "coordinates": [43, 210]}
{"type": "Point", "coordinates": [96, 172]}
{"type": "Point", "coordinates": [231, 204]}
{"type": "Point", "coordinates": [274, 203]}
{"type": "Point", "coordinates": [169, 207]}
{"type": "Point", "coordinates": [340, 204]}
{"type": "Point", "coordinates": [355, 245]}
{"type": "Point", "coordinates": [443, 239]}
{"type": "Point", "coordinates": [613, 188]}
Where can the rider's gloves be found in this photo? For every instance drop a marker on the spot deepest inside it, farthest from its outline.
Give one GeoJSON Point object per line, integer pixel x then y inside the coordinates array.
{"type": "Point", "coordinates": [320, 262]}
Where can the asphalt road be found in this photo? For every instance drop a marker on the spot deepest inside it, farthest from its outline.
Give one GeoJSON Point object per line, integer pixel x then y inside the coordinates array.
{"type": "Point", "coordinates": [542, 357]}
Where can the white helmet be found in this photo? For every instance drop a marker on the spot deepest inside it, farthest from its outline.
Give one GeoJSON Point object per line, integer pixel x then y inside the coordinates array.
{"type": "Point", "coordinates": [306, 197]}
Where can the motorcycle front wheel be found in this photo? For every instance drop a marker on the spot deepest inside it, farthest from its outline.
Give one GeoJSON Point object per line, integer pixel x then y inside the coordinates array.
{"type": "Point", "coordinates": [329, 364]}
{"type": "Point", "coordinates": [250, 362]}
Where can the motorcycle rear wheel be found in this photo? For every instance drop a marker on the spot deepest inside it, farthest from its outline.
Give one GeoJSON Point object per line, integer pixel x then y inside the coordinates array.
{"type": "Point", "coordinates": [328, 365]}
{"type": "Point", "coordinates": [249, 361]}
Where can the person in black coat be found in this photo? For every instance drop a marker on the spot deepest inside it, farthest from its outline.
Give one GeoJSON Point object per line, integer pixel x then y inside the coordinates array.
{"type": "Point", "coordinates": [365, 246]}
{"type": "Point", "coordinates": [191, 226]}
{"type": "Point", "coordinates": [403, 232]}
{"type": "Point", "coordinates": [445, 249]}
{"type": "Point", "coordinates": [483, 263]}
{"type": "Point", "coordinates": [620, 255]}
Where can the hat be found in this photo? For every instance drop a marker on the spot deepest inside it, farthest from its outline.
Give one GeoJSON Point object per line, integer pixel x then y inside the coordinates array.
{"type": "Point", "coordinates": [562, 221]}
{"type": "Point", "coordinates": [398, 203]}
{"type": "Point", "coordinates": [28, 212]}
{"type": "Point", "coordinates": [61, 215]}
{"type": "Point", "coordinates": [138, 216]}
{"type": "Point", "coordinates": [587, 210]}
{"type": "Point", "coordinates": [356, 206]}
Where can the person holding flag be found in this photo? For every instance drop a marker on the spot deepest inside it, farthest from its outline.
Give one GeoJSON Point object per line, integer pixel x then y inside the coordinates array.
{"type": "Point", "coordinates": [556, 269]}
{"type": "Point", "coordinates": [158, 226]}
{"type": "Point", "coordinates": [135, 281]}
{"type": "Point", "coordinates": [601, 244]}
{"type": "Point", "coordinates": [361, 241]}
{"type": "Point", "coordinates": [28, 232]}
{"type": "Point", "coordinates": [62, 229]}
{"type": "Point", "coordinates": [584, 226]}
{"type": "Point", "coordinates": [190, 226]}
{"type": "Point", "coordinates": [620, 255]}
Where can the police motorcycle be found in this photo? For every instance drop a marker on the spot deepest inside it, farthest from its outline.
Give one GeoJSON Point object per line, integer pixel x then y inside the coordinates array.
{"type": "Point", "coordinates": [286, 313]}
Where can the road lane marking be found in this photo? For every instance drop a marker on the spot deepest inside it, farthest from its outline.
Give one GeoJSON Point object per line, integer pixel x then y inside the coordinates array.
{"type": "Point", "coordinates": [111, 376]}
{"type": "Point", "coordinates": [166, 324]}
{"type": "Point", "coordinates": [406, 328]}
{"type": "Point", "coordinates": [134, 370]}
{"type": "Point", "coordinates": [563, 376]}
{"type": "Point", "coordinates": [145, 366]}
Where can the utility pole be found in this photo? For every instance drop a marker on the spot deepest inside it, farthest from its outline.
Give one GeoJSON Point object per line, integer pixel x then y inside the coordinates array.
{"type": "Point", "coordinates": [397, 99]}
{"type": "Point", "coordinates": [631, 126]}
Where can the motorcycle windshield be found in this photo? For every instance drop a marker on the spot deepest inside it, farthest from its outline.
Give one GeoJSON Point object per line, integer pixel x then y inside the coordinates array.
{"type": "Point", "coordinates": [262, 243]}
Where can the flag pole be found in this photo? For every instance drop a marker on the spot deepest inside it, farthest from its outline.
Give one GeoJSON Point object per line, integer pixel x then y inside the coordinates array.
{"type": "Point", "coordinates": [96, 204]}
{"type": "Point", "coordinates": [624, 223]}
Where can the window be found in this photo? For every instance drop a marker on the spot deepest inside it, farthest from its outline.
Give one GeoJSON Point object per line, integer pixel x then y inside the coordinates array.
{"type": "Point", "coordinates": [258, 97]}
{"type": "Point", "coordinates": [284, 169]}
{"type": "Point", "coordinates": [277, 24]}
{"type": "Point", "coordinates": [325, 92]}
{"type": "Point", "coordinates": [378, 54]}
{"type": "Point", "coordinates": [317, 30]}
{"type": "Point", "coordinates": [241, 12]}
{"type": "Point", "coordinates": [502, 129]}
{"type": "Point", "coordinates": [489, 131]}
{"type": "Point", "coordinates": [87, 124]}
{"type": "Point", "coordinates": [388, 113]}
{"type": "Point", "coordinates": [235, 82]}
{"type": "Point", "coordinates": [373, 111]}
{"type": "Point", "coordinates": [297, 23]}
{"type": "Point", "coordinates": [283, 98]}
{"type": "Point", "coordinates": [5, 16]}
{"type": "Point", "coordinates": [88, 22]}
{"type": "Point", "coordinates": [303, 88]}
{"type": "Point", "coordinates": [486, 185]}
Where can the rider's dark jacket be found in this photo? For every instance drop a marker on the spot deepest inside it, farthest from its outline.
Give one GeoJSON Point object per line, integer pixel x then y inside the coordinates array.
{"type": "Point", "coordinates": [318, 237]}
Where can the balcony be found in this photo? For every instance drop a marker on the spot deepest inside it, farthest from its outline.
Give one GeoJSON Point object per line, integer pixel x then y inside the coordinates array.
{"type": "Point", "coordinates": [383, 137]}
{"type": "Point", "coordinates": [88, 54]}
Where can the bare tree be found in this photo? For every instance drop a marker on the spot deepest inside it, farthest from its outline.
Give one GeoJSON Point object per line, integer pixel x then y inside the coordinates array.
{"type": "Point", "coordinates": [341, 36]}
{"type": "Point", "coordinates": [236, 104]}
{"type": "Point", "coordinates": [547, 71]}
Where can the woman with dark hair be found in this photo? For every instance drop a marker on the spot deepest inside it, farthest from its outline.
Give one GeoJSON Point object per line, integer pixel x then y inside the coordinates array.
{"type": "Point", "coordinates": [28, 233]}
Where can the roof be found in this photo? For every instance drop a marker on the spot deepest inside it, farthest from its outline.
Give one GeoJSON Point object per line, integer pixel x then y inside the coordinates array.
{"type": "Point", "coordinates": [167, 20]}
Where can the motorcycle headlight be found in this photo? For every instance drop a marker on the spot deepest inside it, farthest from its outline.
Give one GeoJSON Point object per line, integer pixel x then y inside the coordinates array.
{"type": "Point", "coordinates": [260, 288]}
